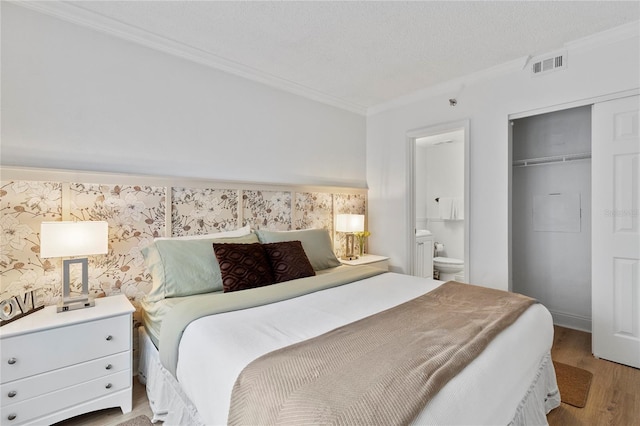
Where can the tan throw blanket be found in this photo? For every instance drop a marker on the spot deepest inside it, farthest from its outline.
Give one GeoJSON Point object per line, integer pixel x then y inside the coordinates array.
{"type": "Point", "coordinates": [382, 369]}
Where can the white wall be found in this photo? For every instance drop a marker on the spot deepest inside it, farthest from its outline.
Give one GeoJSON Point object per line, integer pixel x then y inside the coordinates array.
{"type": "Point", "coordinates": [443, 166]}
{"type": "Point", "coordinates": [80, 99]}
{"type": "Point", "coordinates": [445, 175]}
{"type": "Point", "coordinates": [594, 69]}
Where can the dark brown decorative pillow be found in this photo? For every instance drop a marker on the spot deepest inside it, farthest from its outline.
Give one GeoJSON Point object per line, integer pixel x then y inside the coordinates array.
{"type": "Point", "coordinates": [243, 266]}
{"type": "Point", "coordinates": [288, 260]}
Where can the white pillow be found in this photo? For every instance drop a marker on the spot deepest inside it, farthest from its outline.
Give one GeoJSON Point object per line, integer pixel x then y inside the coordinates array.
{"type": "Point", "coordinates": [240, 232]}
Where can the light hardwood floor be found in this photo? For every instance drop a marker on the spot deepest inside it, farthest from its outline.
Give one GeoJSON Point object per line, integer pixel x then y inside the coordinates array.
{"type": "Point", "coordinates": [614, 398]}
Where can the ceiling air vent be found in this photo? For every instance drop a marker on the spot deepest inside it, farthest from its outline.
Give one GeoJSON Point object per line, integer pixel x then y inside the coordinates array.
{"type": "Point", "coordinates": [544, 64]}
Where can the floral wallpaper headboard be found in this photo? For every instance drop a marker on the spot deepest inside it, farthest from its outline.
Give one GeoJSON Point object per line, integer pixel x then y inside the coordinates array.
{"type": "Point", "coordinates": [138, 209]}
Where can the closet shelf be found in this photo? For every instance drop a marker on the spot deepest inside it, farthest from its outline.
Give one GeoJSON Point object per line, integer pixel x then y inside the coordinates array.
{"type": "Point", "coordinates": [550, 160]}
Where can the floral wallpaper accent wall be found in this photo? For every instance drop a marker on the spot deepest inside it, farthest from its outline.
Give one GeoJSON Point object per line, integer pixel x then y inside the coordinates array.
{"type": "Point", "coordinates": [23, 206]}
{"type": "Point", "coordinates": [350, 203]}
{"type": "Point", "coordinates": [135, 215]}
{"type": "Point", "coordinates": [267, 210]}
{"type": "Point", "coordinates": [203, 211]}
{"type": "Point", "coordinates": [313, 210]}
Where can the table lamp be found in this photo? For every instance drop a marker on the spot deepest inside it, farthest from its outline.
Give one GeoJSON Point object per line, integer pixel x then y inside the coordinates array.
{"type": "Point", "coordinates": [349, 223]}
{"type": "Point", "coordinates": [67, 239]}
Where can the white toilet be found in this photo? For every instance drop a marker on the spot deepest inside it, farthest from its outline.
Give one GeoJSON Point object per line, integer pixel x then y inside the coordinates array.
{"type": "Point", "coordinates": [449, 268]}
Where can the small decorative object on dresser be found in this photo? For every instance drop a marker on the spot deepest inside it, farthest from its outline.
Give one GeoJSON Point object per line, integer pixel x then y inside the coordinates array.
{"type": "Point", "coordinates": [54, 367]}
{"type": "Point", "coordinates": [380, 262]}
{"type": "Point", "coordinates": [362, 240]}
{"type": "Point", "coordinates": [17, 307]}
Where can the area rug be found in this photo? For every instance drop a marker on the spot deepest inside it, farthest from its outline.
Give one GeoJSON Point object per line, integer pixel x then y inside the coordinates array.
{"type": "Point", "coordinates": [141, 420]}
{"type": "Point", "coordinates": [574, 384]}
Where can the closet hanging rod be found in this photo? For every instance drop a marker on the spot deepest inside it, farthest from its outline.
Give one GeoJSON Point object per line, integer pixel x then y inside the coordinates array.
{"type": "Point", "coordinates": [551, 160]}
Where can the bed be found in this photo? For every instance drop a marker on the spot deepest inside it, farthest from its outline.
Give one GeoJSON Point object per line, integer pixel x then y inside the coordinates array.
{"type": "Point", "coordinates": [201, 348]}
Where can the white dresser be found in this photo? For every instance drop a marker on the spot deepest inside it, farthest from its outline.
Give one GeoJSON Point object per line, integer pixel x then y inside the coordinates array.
{"type": "Point", "coordinates": [59, 365]}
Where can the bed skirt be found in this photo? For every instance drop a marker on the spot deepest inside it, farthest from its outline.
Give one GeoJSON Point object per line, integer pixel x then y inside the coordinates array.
{"type": "Point", "coordinates": [170, 405]}
{"type": "Point", "coordinates": [542, 397]}
{"type": "Point", "coordinates": [168, 402]}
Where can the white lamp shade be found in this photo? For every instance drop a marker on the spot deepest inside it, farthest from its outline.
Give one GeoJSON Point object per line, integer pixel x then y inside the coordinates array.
{"type": "Point", "coordinates": [350, 223]}
{"type": "Point", "coordinates": [63, 239]}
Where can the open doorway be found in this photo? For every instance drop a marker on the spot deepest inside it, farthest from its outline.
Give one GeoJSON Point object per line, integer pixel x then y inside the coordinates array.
{"type": "Point", "coordinates": [551, 213]}
{"type": "Point", "coordinates": [439, 201]}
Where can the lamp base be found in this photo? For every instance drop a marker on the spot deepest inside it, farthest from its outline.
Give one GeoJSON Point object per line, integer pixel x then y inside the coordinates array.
{"type": "Point", "coordinates": [76, 303]}
{"type": "Point", "coordinates": [349, 245]}
{"type": "Point", "coordinates": [349, 257]}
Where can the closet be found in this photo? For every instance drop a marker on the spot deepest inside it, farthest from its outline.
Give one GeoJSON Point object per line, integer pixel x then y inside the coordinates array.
{"type": "Point", "coordinates": [551, 212]}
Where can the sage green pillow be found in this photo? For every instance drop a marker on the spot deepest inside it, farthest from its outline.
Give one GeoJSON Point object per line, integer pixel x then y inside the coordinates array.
{"type": "Point", "coordinates": [315, 242]}
{"type": "Point", "coordinates": [184, 267]}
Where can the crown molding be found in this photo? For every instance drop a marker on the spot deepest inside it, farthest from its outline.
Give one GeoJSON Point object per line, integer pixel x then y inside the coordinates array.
{"type": "Point", "coordinates": [612, 35]}
{"type": "Point", "coordinates": [454, 87]}
{"type": "Point", "coordinates": [76, 15]}
{"type": "Point", "coordinates": [94, 21]}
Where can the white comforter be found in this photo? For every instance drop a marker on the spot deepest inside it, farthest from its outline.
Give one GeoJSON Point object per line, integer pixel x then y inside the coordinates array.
{"type": "Point", "coordinates": [215, 349]}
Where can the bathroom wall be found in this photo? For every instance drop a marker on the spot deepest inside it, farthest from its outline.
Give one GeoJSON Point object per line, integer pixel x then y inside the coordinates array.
{"type": "Point", "coordinates": [441, 175]}
{"type": "Point", "coordinates": [551, 208]}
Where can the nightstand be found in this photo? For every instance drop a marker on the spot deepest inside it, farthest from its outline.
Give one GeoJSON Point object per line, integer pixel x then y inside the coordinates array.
{"type": "Point", "coordinates": [59, 365]}
{"type": "Point", "coordinates": [380, 262]}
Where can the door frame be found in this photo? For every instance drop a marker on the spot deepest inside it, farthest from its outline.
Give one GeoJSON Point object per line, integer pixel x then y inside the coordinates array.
{"type": "Point", "coordinates": [410, 231]}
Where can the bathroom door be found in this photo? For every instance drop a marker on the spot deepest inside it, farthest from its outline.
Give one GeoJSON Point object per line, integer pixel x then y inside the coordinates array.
{"type": "Point", "coordinates": [616, 230]}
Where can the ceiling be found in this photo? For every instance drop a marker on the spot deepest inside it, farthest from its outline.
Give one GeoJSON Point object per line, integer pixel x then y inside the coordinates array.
{"type": "Point", "coordinates": [356, 53]}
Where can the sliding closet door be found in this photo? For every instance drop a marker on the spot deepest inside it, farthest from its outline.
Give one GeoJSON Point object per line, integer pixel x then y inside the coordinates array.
{"type": "Point", "coordinates": [616, 230]}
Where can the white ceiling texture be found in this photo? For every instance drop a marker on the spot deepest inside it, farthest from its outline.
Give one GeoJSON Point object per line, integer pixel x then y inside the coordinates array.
{"type": "Point", "coordinates": [353, 54]}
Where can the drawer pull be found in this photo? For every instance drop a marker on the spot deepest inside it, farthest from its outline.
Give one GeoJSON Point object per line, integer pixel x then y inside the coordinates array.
{"type": "Point", "coordinates": [12, 361]}
{"type": "Point", "coordinates": [12, 416]}
{"type": "Point", "coordinates": [109, 367]}
{"type": "Point", "coordinates": [11, 394]}
{"type": "Point", "coordinates": [109, 337]}
{"type": "Point", "coordinates": [108, 386]}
